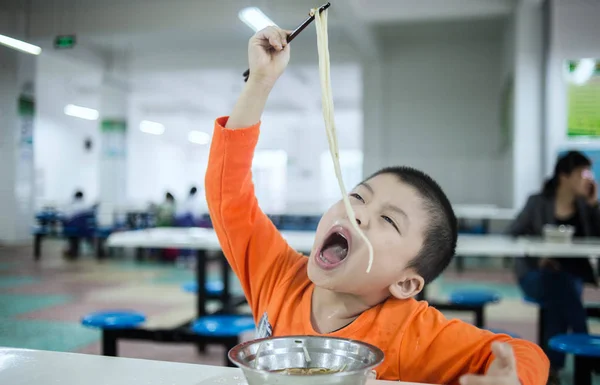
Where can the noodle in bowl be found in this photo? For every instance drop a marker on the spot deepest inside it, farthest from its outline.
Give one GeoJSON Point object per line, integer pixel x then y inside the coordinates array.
{"type": "Point", "coordinates": [306, 360]}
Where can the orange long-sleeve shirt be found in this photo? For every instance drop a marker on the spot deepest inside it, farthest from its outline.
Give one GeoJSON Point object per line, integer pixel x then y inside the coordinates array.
{"type": "Point", "coordinates": [419, 343]}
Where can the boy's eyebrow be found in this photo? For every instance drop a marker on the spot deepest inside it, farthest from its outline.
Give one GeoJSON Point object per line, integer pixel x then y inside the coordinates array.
{"type": "Point", "coordinates": [367, 186]}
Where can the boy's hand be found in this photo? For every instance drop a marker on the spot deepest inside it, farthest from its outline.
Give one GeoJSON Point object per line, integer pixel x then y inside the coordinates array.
{"type": "Point", "coordinates": [502, 371]}
{"type": "Point", "coordinates": [268, 55]}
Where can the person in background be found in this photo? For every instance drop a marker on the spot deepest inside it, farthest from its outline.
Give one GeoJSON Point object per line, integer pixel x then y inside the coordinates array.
{"type": "Point", "coordinates": [78, 217]}
{"type": "Point", "coordinates": [165, 217]}
{"type": "Point", "coordinates": [191, 209]}
{"type": "Point", "coordinates": [188, 214]}
{"type": "Point", "coordinates": [166, 211]}
{"type": "Point", "coordinates": [77, 206]}
{"type": "Point", "coordinates": [568, 198]}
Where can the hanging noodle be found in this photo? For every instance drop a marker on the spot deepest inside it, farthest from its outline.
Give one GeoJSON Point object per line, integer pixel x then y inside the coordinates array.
{"type": "Point", "coordinates": [327, 101]}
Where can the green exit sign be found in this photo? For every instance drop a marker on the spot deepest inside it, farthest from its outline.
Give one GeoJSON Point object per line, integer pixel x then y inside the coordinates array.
{"type": "Point", "coordinates": [64, 41]}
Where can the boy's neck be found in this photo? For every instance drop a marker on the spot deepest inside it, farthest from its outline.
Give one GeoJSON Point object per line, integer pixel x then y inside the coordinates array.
{"type": "Point", "coordinates": [331, 311]}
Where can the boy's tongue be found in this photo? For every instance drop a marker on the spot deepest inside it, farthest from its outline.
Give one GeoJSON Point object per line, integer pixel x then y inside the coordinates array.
{"type": "Point", "coordinates": [335, 253]}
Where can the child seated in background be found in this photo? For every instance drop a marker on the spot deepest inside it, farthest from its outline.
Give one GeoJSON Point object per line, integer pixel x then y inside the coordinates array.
{"type": "Point", "coordinates": [411, 225]}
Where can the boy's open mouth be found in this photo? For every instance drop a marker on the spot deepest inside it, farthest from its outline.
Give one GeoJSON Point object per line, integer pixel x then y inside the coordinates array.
{"type": "Point", "coordinates": [335, 249]}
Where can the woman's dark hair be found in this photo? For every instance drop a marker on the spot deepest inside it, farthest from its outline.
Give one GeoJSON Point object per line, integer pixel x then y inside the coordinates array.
{"type": "Point", "coordinates": [565, 165]}
{"type": "Point", "coordinates": [169, 197]}
{"type": "Point", "coordinates": [78, 195]}
{"type": "Point", "coordinates": [193, 190]}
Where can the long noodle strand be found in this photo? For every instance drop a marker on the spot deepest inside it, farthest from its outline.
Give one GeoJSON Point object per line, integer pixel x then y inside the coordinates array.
{"type": "Point", "coordinates": [328, 117]}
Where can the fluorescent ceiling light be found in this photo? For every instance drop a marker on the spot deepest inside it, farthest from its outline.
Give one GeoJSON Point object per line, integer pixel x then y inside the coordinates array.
{"type": "Point", "coordinates": [150, 127]}
{"type": "Point", "coordinates": [255, 18]}
{"type": "Point", "coordinates": [20, 45]}
{"type": "Point", "coordinates": [584, 71]}
{"type": "Point", "coordinates": [198, 137]}
{"type": "Point", "coordinates": [81, 112]}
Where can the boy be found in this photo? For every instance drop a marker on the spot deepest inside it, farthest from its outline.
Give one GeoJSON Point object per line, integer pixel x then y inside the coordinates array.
{"type": "Point", "coordinates": [412, 228]}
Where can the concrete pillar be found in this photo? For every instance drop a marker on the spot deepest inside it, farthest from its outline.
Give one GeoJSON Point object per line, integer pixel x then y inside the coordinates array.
{"type": "Point", "coordinates": [528, 100]}
{"type": "Point", "coordinates": [17, 107]}
{"type": "Point", "coordinates": [113, 157]}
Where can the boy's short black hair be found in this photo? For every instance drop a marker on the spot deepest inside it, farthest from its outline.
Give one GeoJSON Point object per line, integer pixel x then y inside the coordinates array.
{"type": "Point", "coordinates": [441, 233]}
{"type": "Point", "coordinates": [78, 194]}
{"type": "Point", "coordinates": [193, 190]}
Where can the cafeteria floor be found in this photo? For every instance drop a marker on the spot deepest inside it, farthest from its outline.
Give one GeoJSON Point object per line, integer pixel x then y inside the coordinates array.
{"type": "Point", "coordinates": [41, 303]}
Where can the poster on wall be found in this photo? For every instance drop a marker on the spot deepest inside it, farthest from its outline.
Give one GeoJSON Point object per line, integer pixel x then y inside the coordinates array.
{"type": "Point", "coordinates": [113, 138]}
{"type": "Point", "coordinates": [24, 172]}
{"type": "Point", "coordinates": [583, 98]}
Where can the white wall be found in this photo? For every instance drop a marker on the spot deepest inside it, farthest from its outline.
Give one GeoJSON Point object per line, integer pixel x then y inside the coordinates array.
{"type": "Point", "coordinates": [441, 87]}
{"type": "Point", "coordinates": [61, 162]}
{"type": "Point", "coordinates": [574, 35]}
{"type": "Point", "coordinates": [157, 165]}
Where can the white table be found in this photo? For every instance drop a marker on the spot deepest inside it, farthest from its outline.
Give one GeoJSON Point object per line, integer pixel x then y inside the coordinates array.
{"type": "Point", "coordinates": [468, 245]}
{"type": "Point", "coordinates": [492, 246]}
{"type": "Point", "coordinates": [484, 212]}
{"type": "Point", "coordinates": [29, 367]}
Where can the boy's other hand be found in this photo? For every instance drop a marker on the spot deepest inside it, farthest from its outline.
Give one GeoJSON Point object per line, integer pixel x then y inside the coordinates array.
{"type": "Point", "coordinates": [268, 55]}
{"type": "Point", "coordinates": [502, 371]}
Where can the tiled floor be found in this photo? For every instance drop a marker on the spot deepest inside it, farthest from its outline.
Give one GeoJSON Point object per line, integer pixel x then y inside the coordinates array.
{"type": "Point", "coordinates": [41, 303]}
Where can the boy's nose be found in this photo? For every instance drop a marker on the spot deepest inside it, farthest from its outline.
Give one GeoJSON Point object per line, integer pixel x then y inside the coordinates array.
{"type": "Point", "coordinates": [361, 217]}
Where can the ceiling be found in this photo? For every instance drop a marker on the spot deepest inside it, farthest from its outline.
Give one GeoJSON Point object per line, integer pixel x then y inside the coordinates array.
{"type": "Point", "coordinates": [181, 60]}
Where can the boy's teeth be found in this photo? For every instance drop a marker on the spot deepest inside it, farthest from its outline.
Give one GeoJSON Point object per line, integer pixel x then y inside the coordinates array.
{"type": "Point", "coordinates": [322, 257]}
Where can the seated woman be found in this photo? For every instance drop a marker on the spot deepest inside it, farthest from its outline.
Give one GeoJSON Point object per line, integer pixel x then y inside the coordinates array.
{"type": "Point", "coordinates": [568, 198]}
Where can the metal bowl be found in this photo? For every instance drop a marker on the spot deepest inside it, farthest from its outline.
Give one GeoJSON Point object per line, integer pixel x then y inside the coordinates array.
{"type": "Point", "coordinates": [558, 234]}
{"type": "Point", "coordinates": [263, 360]}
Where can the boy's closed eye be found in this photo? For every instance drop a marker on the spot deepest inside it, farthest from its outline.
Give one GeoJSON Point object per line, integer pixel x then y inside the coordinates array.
{"type": "Point", "coordinates": [384, 217]}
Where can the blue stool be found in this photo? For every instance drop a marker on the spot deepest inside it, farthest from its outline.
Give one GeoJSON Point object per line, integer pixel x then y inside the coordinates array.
{"type": "Point", "coordinates": [585, 348]}
{"type": "Point", "coordinates": [212, 288]}
{"type": "Point", "coordinates": [109, 321]}
{"type": "Point", "coordinates": [474, 300]}
{"type": "Point", "coordinates": [502, 331]}
{"type": "Point", "coordinates": [223, 329]}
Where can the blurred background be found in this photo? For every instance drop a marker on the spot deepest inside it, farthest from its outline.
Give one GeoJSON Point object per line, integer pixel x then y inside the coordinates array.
{"type": "Point", "coordinates": [116, 100]}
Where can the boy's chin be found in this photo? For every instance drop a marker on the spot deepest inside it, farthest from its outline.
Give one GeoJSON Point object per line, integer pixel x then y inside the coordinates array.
{"type": "Point", "coordinates": [321, 278]}
{"type": "Point", "coordinates": [334, 280]}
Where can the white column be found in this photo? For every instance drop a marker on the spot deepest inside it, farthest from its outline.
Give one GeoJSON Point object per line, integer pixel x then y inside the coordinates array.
{"type": "Point", "coordinates": [17, 107]}
{"type": "Point", "coordinates": [374, 133]}
{"type": "Point", "coordinates": [113, 156]}
{"type": "Point", "coordinates": [528, 99]}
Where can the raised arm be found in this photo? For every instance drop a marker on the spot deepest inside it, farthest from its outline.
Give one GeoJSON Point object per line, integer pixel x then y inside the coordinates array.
{"type": "Point", "coordinates": [268, 56]}
{"type": "Point", "coordinates": [254, 248]}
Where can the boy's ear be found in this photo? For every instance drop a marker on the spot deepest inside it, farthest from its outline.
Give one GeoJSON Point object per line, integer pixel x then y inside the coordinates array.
{"type": "Point", "coordinates": [409, 286]}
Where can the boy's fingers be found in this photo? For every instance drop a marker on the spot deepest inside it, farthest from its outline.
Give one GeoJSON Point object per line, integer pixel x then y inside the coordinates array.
{"type": "Point", "coordinates": [284, 35]}
{"type": "Point", "coordinates": [271, 38]}
{"type": "Point", "coordinates": [504, 354]}
{"type": "Point", "coordinates": [275, 42]}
